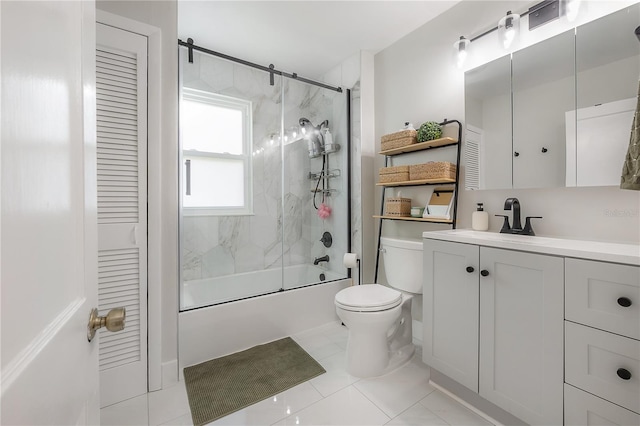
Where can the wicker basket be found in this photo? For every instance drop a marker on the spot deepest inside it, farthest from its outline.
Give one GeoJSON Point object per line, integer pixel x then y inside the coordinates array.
{"type": "Point", "coordinates": [432, 170]}
{"type": "Point", "coordinates": [398, 207]}
{"type": "Point", "coordinates": [398, 139]}
{"type": "Point", "coordinates": [394, 174]}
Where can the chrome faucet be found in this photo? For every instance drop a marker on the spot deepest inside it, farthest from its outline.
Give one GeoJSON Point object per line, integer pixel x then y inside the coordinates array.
{"type": "Point", "coordinates": [324, 258]}
{"type": "Point", "coordinates": [514, 203]}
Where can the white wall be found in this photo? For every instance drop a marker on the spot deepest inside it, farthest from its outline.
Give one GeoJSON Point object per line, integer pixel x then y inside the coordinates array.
{"type": "Point", "coordinates": [163, 15]}
{"type": "Point", "coordinates": [356, 73]}
{"type": "Point", "coordinates": [416, 80]}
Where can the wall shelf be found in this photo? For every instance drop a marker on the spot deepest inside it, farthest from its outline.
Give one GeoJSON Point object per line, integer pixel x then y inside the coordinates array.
{"type": "Point", "coordinates": [415, 219]}
{"type": "Point", "coordinates": [436, 143]}
{"type": "Point", "coordinates": [432, 144]}
{"type": "Point", "coordinates": [418, 182]}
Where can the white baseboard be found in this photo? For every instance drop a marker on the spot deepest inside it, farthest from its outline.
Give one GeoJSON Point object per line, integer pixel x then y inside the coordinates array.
{"type": "Point", "coordinates": [466, 404]}
{"type": "Point", "coordinates": [169, 373]}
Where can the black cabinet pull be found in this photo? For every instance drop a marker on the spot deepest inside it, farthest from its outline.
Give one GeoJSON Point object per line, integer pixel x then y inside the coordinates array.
{"type": "Point", "coordinates": [625, 302]}
{"type": "Point", "coordinates": [484, 273]}
{"type": "Point", "coordinates": [624, 374]}
{"type": "Point", "coordinates": [470, 269]}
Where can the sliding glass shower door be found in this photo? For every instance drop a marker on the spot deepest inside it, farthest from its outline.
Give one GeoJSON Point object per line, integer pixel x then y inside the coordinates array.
{"type": "Point", "coordinates": [250, 189]}
{"type": "Point", "coordinates": [315, 178]}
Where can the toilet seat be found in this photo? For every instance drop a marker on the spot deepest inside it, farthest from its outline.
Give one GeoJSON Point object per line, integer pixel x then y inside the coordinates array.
{"type": "Point", "coordinates": [368, 298]}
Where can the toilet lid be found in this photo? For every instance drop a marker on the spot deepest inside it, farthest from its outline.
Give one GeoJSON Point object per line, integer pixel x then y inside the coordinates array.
{"type": "Point", "coordinates": [368, 298]}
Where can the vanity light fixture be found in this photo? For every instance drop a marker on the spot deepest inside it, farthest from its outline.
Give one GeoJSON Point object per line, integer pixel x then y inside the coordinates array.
{"type": "Point", "coordinates": [509, 26]}
{"type": "Point", "coordinates": [461, 51]}
{"type": "Point", "coordinates": [508, 29]}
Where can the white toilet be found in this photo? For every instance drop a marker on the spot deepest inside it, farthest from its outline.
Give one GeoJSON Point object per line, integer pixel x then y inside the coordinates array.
{"type": "Point", "coordinates": [379, 317]}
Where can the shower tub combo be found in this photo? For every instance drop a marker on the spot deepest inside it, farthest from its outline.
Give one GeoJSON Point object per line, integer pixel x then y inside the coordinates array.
{"type": "Point", "coordinates": [265, 214]}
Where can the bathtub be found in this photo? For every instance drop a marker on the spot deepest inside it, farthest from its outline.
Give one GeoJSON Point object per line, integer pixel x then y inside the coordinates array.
{"type": "Point", "coordinates": [210, 291]}
{"type": "Point", "coordinates": [218, 330]}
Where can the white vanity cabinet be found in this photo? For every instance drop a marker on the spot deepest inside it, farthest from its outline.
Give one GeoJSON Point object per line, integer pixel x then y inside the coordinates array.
{"type": "Point", "coordinates": [493, 322]}
{"type": "Point", "coordinates": [546, 329]}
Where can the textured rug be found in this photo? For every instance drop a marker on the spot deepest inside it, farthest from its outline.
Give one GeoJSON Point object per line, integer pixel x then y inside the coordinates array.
{"type": "Point", "coordinates": [223, 385]}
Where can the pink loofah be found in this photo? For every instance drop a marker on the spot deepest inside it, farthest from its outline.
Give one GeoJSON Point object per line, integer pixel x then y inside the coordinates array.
{"type": "Point", "coordinates": [324, 211]}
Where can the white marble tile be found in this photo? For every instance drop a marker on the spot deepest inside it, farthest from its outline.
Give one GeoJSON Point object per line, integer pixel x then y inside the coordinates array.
{"type": "Point", "coordinates": [249, 258]}
{"type": "Point", "coordinates": [336, 376]}
{"type": "Point", "coordinates": [451, 411]}
{"type": "Point", "coordinates": [346, 407]}
{"type": "Point", "coordinates": [418, 415]}
{"type": "Point", "coordinates": [273, 409]}
{"type": "Point", "coordinates": [394, 392]}
{"type": "Point", "coordinates": [133, 411]}
{"type": "Point", "coordinates": [167, 404]}
{"type": "Point", "coordinates": [217, 73]}
{"type": "Point", "coordinates": [217, 262]}
{"type": "Point", "coordinates": [264, 230]}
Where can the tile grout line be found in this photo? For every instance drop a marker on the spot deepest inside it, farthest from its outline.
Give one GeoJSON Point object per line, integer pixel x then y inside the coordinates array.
{"type": "Point", "coordinates": [376, 405]}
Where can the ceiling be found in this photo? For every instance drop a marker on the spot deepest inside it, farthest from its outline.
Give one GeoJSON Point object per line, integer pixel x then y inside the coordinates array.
{"type": "Point", "coordinates": [306, 37]}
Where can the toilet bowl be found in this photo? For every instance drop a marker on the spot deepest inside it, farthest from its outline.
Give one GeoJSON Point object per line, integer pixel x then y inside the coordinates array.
{"type": "Point", "coordinates": [379, 317]}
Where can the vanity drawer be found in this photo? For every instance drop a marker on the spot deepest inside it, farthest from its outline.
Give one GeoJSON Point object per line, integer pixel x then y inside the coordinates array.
{"type": "Point", "coordinates": [604, 364]}
{"type": "Point", "coordinates": [603, 295]}
{"type": "Point", "coordinates": [582, 408]}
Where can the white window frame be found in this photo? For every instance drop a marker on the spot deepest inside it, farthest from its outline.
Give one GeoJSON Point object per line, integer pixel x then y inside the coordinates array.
{"type": "Point", "coordinates": [245, 107]}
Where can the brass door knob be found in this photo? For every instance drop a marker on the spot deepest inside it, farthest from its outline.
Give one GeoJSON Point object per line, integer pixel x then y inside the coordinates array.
{"type": "Point", "coordinates": [113, 321]}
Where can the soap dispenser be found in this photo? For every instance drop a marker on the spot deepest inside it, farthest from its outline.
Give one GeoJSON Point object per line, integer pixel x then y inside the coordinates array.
{"type": "Point", "coordinates": [480, 219]}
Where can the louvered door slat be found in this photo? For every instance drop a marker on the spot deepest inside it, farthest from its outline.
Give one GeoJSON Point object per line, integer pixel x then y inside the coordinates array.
{"type": "Point", "coordinates": [106, 119]}
{"type": "Point", "coordinates": [118, 56]}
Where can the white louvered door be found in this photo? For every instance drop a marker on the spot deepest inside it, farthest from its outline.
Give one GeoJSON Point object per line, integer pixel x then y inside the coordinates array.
{"type": "Point", "coordinates": [121, 82]}
{"type": "Point", "coordinates": [472, 154]}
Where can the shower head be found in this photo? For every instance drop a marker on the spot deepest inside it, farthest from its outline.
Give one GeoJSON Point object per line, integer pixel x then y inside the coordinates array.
{"type": "Point", "coordinates": [304, 122]}
{"type": "Point", "coordinates": [638, 33]}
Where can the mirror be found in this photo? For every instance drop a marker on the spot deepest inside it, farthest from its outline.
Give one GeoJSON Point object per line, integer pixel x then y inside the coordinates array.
{"type": "Point", "coordinates": [607, 66]}
{"type": "Point", "coordinates": [543, 89]}
{"type": "Point", "coordinates": [488, 122]}
{"type": "Point", "coordinates": [557, 113]}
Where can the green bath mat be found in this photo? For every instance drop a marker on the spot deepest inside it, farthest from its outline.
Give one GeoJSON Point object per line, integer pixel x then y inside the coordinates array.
{"type": "Point", "coordinates": [223, 385]}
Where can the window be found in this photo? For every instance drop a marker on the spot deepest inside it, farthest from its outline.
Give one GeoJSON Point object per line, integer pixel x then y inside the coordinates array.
{"type": "Point", "coordinates": [216, 154]}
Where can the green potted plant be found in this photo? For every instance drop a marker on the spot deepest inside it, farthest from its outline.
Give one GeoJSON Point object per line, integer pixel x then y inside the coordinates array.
{"type": "Point", "coordinates": [429, 131]}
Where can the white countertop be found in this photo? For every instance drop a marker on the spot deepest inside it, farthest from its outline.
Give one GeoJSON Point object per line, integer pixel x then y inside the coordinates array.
{"type": "Point", "coordinates": [594, 250]}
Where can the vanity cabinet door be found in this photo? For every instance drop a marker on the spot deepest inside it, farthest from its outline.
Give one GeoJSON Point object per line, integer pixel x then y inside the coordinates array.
{"type": "Point", "coordinates": [521, 333]}
{"type": "Point", "coordinates": [450, 310]}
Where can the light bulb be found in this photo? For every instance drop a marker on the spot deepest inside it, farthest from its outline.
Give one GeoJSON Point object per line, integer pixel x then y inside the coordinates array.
{"type": "Point", "coordinates": [571, 9]}
{"type": "Point", "coordinates": [508, 29]}
{"type": "Point", "coordinates": [460, 51]}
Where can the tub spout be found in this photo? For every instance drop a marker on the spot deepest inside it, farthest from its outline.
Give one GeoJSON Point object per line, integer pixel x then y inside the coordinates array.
{"type": "Point", "coordinates": [321, 259]}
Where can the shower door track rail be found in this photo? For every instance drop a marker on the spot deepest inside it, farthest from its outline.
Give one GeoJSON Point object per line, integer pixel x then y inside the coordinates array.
{"type": "Point", "coordinates": [270, 69]}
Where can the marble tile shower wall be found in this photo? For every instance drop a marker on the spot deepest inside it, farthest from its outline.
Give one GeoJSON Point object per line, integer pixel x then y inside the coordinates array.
{"type": "Point", "coordinates": [285, 229]}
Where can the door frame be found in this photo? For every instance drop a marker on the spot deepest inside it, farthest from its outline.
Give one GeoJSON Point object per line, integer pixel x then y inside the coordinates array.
{"type": "Point", "coordinates": [154, 178]}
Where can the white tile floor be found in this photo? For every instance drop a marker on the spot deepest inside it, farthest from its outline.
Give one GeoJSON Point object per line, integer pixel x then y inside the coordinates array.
{"type": "Point", "coordinates": [403, 397]}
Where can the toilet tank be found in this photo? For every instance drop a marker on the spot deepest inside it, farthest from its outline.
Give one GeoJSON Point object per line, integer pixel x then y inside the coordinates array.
{"type": "Point", "coordinates": [403, 263]}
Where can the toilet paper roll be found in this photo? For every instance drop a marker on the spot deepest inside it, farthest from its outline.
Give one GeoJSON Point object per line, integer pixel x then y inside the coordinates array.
{"type": "Point", "coordinates": [350, 260]}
